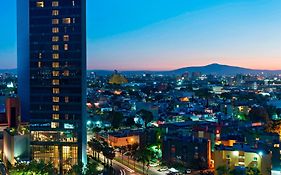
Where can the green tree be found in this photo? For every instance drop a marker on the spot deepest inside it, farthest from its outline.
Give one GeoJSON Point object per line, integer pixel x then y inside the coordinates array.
{"type": "Point", "coordinates": [147, 116]}
{"type": "Point", "coordinates": [144, 156]}
{"type": "Point", "coordinates": [34, 167]}
{"type": "Point", "coordinates": [93, 168]}
{"type": "Point", "coordinates": [115, 118]}
{"type": "Point", "coordinates": [252, 171]}
{"type": "Point", "coordinates": [76, 169]}
{"type": "Point", "coordinates": [258, 114]}
{"type": "Point", "coordinates": [222, 170]}
{"type": "Point", "coordinates": [96, 147]}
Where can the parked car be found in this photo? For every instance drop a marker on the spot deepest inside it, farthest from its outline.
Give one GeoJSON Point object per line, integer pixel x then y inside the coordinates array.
{"type": "Point", "coordinates": [164, 168]}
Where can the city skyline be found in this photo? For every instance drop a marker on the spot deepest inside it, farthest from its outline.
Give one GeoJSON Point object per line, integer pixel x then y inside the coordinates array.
{"type": "Point", "coordinates": [169, 35]}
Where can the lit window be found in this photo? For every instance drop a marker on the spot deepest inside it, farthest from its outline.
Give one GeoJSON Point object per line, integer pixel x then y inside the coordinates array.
{"type": "Point", "coordinates": [66, 99]}
{"type": "Point", "coordinates": [56, 73]}
{"type": "Point", "coordinates": [56, 90]}
{"type": "Point", "coordinates": [40, 55]}
{"type": "Point", "coordinates": [40, 4]}
{"type": "Point", "coordinates": [56, 107]}
{"type": "Point", "coordinates": [65, 46]}
{"type": "Point", "coordinates": [73, 3]}
{"type": "Point", "coordinates": [54, 125]}
{"type": "Point", "coordinates": [55, 21]}
{"type": "Point", "coordinates": [56, 82]}
{"type": "Point", "coordinates": [65, 37]}
{"type": "Point", "coordinates": [56, 64]}
{"type": "Point", "coordinates": [56, 99]}
{"type": "Point", "coordinates": [56, 56]}
{"type": "Point", "coordinates": [55, 38]}
{"type": "Point", "coordinates": [276, 145]}
{"type": "Point", "coordinates": [55, 30]}
{"type": "Point", "coordinates": [66, 73]}
{"type": "Point", "coordinates": [66, 20]}
{"type": "Point", "coordinates": [55, 12]}
{"type": "Point", "coordinates": [56, 116]}
{"type": "Point", "coordinates": [39, 64]}
{"type": "Point", "coordinates": [55, 47]}
{"type": "Point", "coordinates": [55, 3]}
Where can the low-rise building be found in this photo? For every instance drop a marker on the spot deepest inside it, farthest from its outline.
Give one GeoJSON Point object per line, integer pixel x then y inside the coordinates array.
{"type": "Point", "coordinates": [242, 156]}
{"type": "Point", "coordinates": [16, 146]}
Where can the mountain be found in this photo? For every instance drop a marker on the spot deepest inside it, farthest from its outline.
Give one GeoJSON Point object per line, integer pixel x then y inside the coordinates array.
{"type": "Point", "coordinates": [215, 69]}
{"type": "Point", "coordinates": [220, 69]}
{"type": "Point", "coordinates": [10, 71]}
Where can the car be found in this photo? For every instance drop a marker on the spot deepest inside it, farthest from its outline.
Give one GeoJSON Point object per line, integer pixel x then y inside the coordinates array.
{"type": "Point", "coordinates": [188, 171]}
{"type": "Point", "coordinates": [153, 164]}
{"type": "Point", "coordinates": [163, 169]}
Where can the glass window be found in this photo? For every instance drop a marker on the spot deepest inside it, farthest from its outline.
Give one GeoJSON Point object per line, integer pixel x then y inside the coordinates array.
{"type": "Point", "coordinates": [56, 90]}
{"type": "Point", "coordinates": [56, 107]}
{"type": "Point", "coordinates": [55, 47]}
{"type": "Point", "coordinates": [55, 12]}
{"type": "Point", "coordinates": [55, 21]}
{"type": "Point", "coordinates": [66, 99]}
{"type": "Point", "coordinates": [56, 116]}
{"type": "Point", "coordinates": [66, 73]}
{"type": "Point", "coordinates": [56, 64]}
{"type": "Point", "coordinates": [54, 124]}
{"type": "Point", "coordinates": [66, 38]}
{"type": "Point", "coordinates": [65, 46]}
{"type": "Point", "coordinates": [66, 20]}
{"type": "Point", "coordinates": [56, 73]}
{"type": "Point", "coordinates": [56, 99]}
{"type": "Point", "coordinates": [55, 30]}
{"type": "Point", "coordinates": [55, 38]}
{"type": "Point", "coordinates": [55, 4]}
{"type": "Point", "coordinates": [56, 82]}
{"type": "Point", "coordinates": [56, 56]}
{"type": "Point", "coordinates": [40, 4]}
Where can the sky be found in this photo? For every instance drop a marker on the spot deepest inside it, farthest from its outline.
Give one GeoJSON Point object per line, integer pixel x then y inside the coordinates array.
{"type": "Point", "coordinates": [170, 34]}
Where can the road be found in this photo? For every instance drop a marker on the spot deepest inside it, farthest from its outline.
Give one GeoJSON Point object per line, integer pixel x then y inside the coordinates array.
{"type": "Point", "coordinates": [120, 169]}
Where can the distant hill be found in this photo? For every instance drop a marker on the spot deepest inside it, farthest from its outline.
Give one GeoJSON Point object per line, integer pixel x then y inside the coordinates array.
{"type": "Point", "coordinates": [215, 69]}
{"type": "Point", "coordinates": [11, 71]}
{"type": "Point", "coordinates": [219, 69]}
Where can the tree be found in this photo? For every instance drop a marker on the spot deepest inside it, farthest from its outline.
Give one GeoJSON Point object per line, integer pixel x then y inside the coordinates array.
{"type": "Point", "coordinates": [93, 168]}
{"type": "Point", "coordinates": [34, 167]}
{"type": "Point", "coordinates": [258, 114]}
{"type": "Point", "coordinates": [252, 171]}
{"type": "Point", "coordinates": [109, 153]}
{"type": "Point", "coordinates": [115, 118]}
{"type": "Point", "coordinates": [222, 170]}
{"type": "Point", "coordinates": [76, 169]}
{"type": "Point", "coordinates": [144, 156]}
{"type": "Point", "coordinates": [96, 146]}
{"type": "Point", "coordinates": [147, 116]}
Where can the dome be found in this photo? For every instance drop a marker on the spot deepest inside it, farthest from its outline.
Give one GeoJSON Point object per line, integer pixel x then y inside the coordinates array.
{"type": "Point", "coordinates": [118, 79]}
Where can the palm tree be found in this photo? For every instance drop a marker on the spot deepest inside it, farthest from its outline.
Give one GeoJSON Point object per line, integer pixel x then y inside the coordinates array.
{"type": "Point", "coordinates": [76, 169]}
{"type": "Point", "coordinates": [96, 146]}
{"type": "Point", "coordinates": [222, 170]}
{"type": "Point", "coordinates": [109, 153]}
{"type": "Point", "coordinates": [144, 156]}
{"type": "Point", "coordinates": [134, 149]}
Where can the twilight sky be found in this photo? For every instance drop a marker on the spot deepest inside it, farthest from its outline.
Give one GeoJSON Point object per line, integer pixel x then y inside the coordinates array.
{"type": "Point", "coordinates": [168, 34]}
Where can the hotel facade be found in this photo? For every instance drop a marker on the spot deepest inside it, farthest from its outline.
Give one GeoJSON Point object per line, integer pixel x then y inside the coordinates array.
{"type": "Point", "coordinates": [52, 79]}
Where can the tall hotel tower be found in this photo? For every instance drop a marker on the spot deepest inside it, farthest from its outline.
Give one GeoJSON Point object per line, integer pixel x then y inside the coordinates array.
{"type": "Point", "coordinates": [52, 78]}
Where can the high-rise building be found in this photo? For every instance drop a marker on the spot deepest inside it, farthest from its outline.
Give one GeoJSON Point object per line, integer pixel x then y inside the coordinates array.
{"type": "Point", "coordinates": [13, 112]}
{"type": "Point", "coordinates": [52, 78]}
